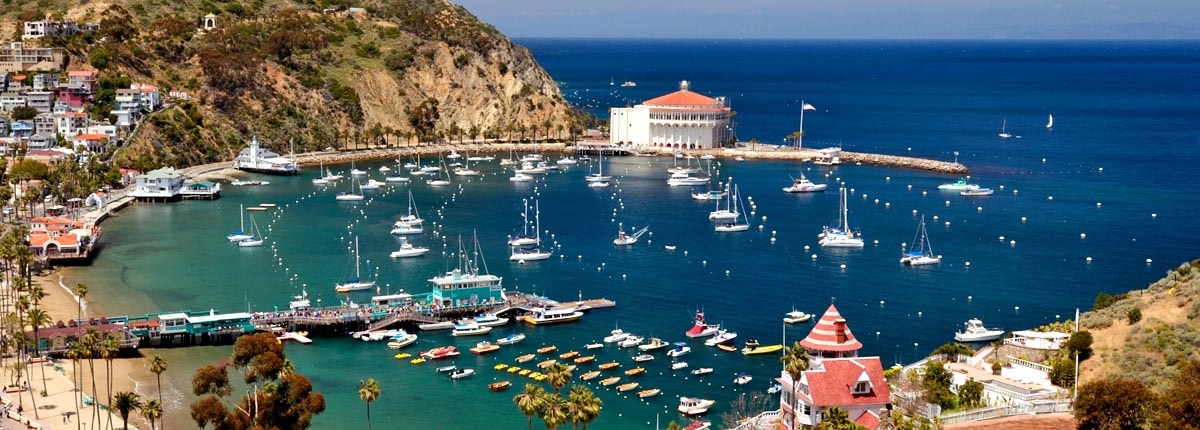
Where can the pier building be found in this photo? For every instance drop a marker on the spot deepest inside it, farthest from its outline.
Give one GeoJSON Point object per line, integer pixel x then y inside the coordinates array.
{"type": "Point", "coordinates": [682, 120]}
{"type": "Point", "coordinates": [58, 339]}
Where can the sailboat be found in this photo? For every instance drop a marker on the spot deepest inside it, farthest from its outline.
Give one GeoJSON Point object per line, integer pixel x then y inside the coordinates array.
{"type": "Point", "coordinates": [1050, 122]}
{"type": "Point", "coordinates": [352, 195]}
{"type": "Point", "coordinates": [411, 223]}
{"type": "Point", "coordinates": [240, 234]}
{"type": "Point", "coordinates": [321, 180]}
{"type": "Point", "coordinates": [466, 170]}
{"type": "Point", "coordinates": [524, 239]}
{"type": "Point", "coordinates": [1004, 130]}
{"type": "Point", "coordinates": [443, 178]}
{"type": "Point", "coordinates": [255, 238]}
{"type": "Point", "coordinates": [922, 252]}
{"type": "Point", "coordinates": [730, 211]}
{"type": "Point", "coordinates": [532, 252]}
{"type": "Point", "coordinates": [599, 176]}
{"type": "Point", "coordinates": [733, 225]}
{"type": "Point", "coordinates": [357, 283]}
{"type": "Point", "coordinates": [628, 239]}
{"type": "Point", "coordinates": [840, 236]}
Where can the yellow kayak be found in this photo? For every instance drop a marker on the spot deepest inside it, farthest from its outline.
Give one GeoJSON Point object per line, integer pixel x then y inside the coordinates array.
{"type": "Point", "coordinates": [500, 366]}
{"type": "Point", "coordinates": [418, 360]}
{"type": "Point", "coordinates": [514, 369]}
{"type": "Point", "coordinates": [403, 355]}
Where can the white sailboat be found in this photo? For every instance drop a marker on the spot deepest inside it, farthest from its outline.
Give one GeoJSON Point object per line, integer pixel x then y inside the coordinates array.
{"type": "Point", "coordinates": [733, 225]}
{"type": "Point", "coordinates": [443, 178]}
{"type": "Point", "coordinates": [240, 234]}
{"type": "Point", "coordinates": [922, 252]}
{"type": "Point", "coordinates": [411, 223]}
{"type": "Point", "coordinates": [524, 239]}
{"type": "Point", "coordinates": [355, 171]}
{"type": "Point", "coordinates": [628, 239]}
{"type": "Point", "coordinates": [466, 170]}
{"type": "Point", "coordinates": [255, 238]}
{"type": "Point", "coordinates": [599, 175]}
{"type": "Point", "coordinates": [355, 192]}
{"type": "Point", "coordinates": [1004, 130]}
{"type": "Point", "coordinates": [729, 213]}
{"type": "Point", "coordinates": [841, 236]}
{"type": "Point", "coordinates": [532, 252]}
{"type": "Point", "coordinates": [1050, 122]}
{"type": "Point", "coordinates": [355, 284]}
{"type": "Point", "coordinates": [321, 180]}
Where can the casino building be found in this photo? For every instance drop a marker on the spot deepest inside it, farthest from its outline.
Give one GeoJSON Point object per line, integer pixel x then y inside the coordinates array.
{"type": "Point", "coordinates": [679, 120]}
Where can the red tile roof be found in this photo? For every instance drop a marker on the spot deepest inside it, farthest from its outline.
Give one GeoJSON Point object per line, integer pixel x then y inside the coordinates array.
{"type": "Point", "coordinates": [38, 240]}
{"type": "Point", "coordinates": [831, 334]}
{"type": "Point", "coordinates": [834, 385]}
{"type": "Point", "coordinates": [681, 98]}
{"type": "Point", "coordinates": [81, 73]}
{"type": "Point", "coordinates": [50, 332]}
{"type": "Point", "coordinates": [868, 419]}
{"type": "Point", "coordinates": [92, 136]}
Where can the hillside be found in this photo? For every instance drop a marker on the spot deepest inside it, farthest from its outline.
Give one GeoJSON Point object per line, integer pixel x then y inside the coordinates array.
{"type": "Point", "coordinates": [312, 73]}
{"type": "Point", "coordinates": [1151, 348]}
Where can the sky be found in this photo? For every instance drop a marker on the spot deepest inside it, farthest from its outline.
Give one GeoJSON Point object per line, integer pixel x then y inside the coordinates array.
{"type": "Point", "coordinates": [843, 19]}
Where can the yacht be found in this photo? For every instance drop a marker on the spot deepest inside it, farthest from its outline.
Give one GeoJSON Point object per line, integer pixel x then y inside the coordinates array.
{"type": "Point", "coordinates": [408, 250]}
{"type": "Point", "coordinates": [401, 340]}
{"type": "Point", "coordinates": [551, 316]}
{"type": "Point", "coordinates": [357, 283]}
{"type": "Point", "coordinates": [685, 179]}
{"type": "Point", "coordinates": [960, 185]}
{"type": "Point", "coordinates": [701, 328]}
{"type": "Point", "coordinates": [411, 223]}
{"type": "Point", "coordinates": [470, 328]}
{"type": "Point", "coordinates": [977, 192]}
{"type": "Point", "coordinates": [694, 406]}
{"type": "Point", "coordinates": [258, 160]}
{"type": "Point", "coordinates": [796, 316]}
{"type": "Point", "coordinates": [922, 251]}
{"type": "Point", "coordinates": [722, 336]}
{"type": "Point", "coordinates": [974, 331]}
{"type": "Point", "coordinates": [803, 185]}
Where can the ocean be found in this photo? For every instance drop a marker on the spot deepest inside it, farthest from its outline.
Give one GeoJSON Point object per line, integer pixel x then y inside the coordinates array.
{"type": "Point", "coordinates": [1110, 181]}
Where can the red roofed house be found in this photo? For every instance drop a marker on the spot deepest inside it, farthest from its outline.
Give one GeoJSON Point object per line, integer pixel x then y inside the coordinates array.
{"type": "Point", "coordinates": [61, 238]}
{"type": "Point", "coordinates": [57, 340]}
{"type": "Point", "coordinates": [92, 141]}
{"type": "Point", "coordinates": [831, 337]}
{"type": "Point", "coordinates": [855, 384]}
{"type": "Point", "coordinates": [679, 120]}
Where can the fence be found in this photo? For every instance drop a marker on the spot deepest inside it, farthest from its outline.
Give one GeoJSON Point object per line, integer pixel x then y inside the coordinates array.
{"type": "Point", "coordinates": [1031, 408]}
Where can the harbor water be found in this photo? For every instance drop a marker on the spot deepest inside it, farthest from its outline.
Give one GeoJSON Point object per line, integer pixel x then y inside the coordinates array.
{"type": "Point", "coordinates": [1109, 181]}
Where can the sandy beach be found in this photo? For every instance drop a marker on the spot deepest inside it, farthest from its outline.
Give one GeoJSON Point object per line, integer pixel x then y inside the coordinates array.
{"type": "Point", "coordinates": [130, 372]}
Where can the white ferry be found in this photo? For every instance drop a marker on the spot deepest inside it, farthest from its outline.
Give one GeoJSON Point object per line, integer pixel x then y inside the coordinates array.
{"type": "Point", "coordinates": [259, 160]}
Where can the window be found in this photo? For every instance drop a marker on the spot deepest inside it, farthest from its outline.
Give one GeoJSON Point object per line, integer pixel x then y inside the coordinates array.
{"type": "Point", "coordinates": [862, 387]}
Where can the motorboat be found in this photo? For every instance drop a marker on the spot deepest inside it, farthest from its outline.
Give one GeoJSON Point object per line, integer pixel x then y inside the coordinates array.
{"type": "Point", "coordinates": [545, 364]}
{"type": "Point", "coordinates": [796, 316]}
{"type": "Point", "coordinates": [511, 339]}
{"type": "Point", "coordinates": [742, 379]}
{"type": "Point", "coordinates": [655, 343]}
{"type": "Point", "coordinates": [547, 349]}
{"type": "Point", "coordinates": [679, 365]}
{"type": "Point", "coordinates": [568, 355]}
{"type": "Point", "coordinates": [710, 195]}
{"type": "Point", "coordinates": [803, 185]}
{"type": "Point", "coordinates": [635, 371]}
{"type": "Point", "coordinates": [700, 328]}
{"type": "Point", "coordinates": [520, 177]}
{"type": "Point", "coordinates": [922, 251]}
{"type": "Point", "coordinates": [461, 373]}
{"type": "Point", "coordinates": [441, 352]}
{"type": "Point", "coordinates": [590, 375]}
{"type": "Point", "coordinates": [499, 385]}
{"type": "Point", "coordinates": [648, 393]}
{"type": "Point", "coordinates": [702, 371]}
{"type": "Point", "coordinates": [640, 358]}
{"type": "Point", "coordinates": [470, 329]}
{"type": "Point", "coordinates": [841, 235]}
{"type": "Point", "coordinates": [686, 179]}
{"type": "Point", "coordinates": [631, 341]}
{"type": "Point", "coordinates": [722, 336]}
{"type": "Point", "coordinates": [593, 346]}
{"type": "Point", "coordinates": [445, 369]}
{"type": "Point", "coordinates": [974, 331]}
{"type": "Point", "coordinates": [609, 365]}
{"type": "Point", "coordinates": [566, 161]}
{"type": "Point", "coordinates": [552, 316]}
{"type": "Point", "coordinates": [628, 386]}
{"type": "Point", "coordinates": [977, 192]}
{"type": "Point", "coordinates": [598, 184]}
{"type": "Point", "coordinates": [585, 359]}
{"type": "Point", "coordinates": [694, 405]}
{"type": "Point", "coordinates": [775, 389]}
{"type": "Point", "coordinates": [408, 250]}
{"type": "Point", "coordinates": [628, 239]}
{"type": "Point", "coordinates": [679, 350]}
{"type": "Point", "coordinates": [402, 340]}
{"type": "Point", "coordinates": [441, 325]}
{"type": "Point", "coordinates": [616, 336]}
{"type": "Point", "coordinates": [372, 185]}
{"type": "Point", "coordinates": [484, 348]}
{"type": "Point", "coordinates": [526, 357]}
{"type": "Point", "coordinates": [960, 185]}
{"type": "Point", "coordinates": [490, 320]}
{"type": "Point", "coordinates": [610, 380]}
{"type": "Point", "coordinates": [753, 348]}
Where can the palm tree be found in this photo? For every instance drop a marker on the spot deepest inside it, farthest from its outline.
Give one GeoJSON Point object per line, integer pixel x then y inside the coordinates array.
{"type": "Point", "coordinates": [37, 319]}
{"type": "Point", "coordinates": [91, 345]}
{"type": "Point", "coordinates": [835, 418]}
{"type": "Point", "coordinates": [555, 410]}
{"type": "Point", "coordinates": [369, 392]}
{"type": "Point", "coordinates": [152, 411]}
{"type": "Point", "coordinates": [125, 402]}
{"type": "Point", "coordinates": [795, 361]}
{"type": "Point", "coordinates": [530, 401]}
{"type": "Point", "coordinates": [158, 365]}
{"type": "Point", "coordinates": [80, 291]}
{"type": "Point", "coordinates": [582, 405]}
{"type": "Point", "coordinates": [76, 351]}
{"type": "Point", "coordinates": [110, 346]}
{"type": "Point", "coordinates": [557, 376]}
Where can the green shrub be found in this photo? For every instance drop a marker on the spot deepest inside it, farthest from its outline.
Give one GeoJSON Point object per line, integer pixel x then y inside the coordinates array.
{"type": "Point", "coordinates": [1134, 315]}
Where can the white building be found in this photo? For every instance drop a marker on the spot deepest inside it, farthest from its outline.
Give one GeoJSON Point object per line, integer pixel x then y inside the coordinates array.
{"type": "Point", "coordinates": [164, 184]}
{"type": "Point", "coordinates": [679, 120]}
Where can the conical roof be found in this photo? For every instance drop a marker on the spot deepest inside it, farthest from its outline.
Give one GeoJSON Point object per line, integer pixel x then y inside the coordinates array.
{"type": "Point", "coordinates": [831, 334]}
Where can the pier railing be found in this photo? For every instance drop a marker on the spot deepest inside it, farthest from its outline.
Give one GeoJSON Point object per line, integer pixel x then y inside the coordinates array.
{"type": "Point", "coordinates": [1035, 407]}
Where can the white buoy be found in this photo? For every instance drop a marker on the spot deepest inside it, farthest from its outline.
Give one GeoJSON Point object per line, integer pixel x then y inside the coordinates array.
{"type": "Point", "coordinates": [919, 314]}
{"type": "Point", "coordinates": [1089, 259]}
{"type": "Point", "coordinates": [947, 203]}
{"type": "Point", "coordinates": [1153, 215]}
{"type": "Point", "coordinates": [772, 240]}
{"type": "Point", "coordinates": [979, 209]}
{"type": "Point", "coordinates": [1022, 219]}
{"type": "Point", "coordinates": [1002, 187]}
{"type": "Point", "coordinates": [1101, 169]}
{"type": "Point", "coordinates": [887, 205]}
{"type": "Point", "coordinates": [887, 178]}
{"type": "Point", "coordinates": [1012, 243]}
{"type": "Point", "coordinates": [876, 241]}
{"type": "Point", "coordinates": [924, 193]}
{"type": "Point", "coordinates": [1016, 308]}
{"type": "Point", "coordinates": [881, 302]}
{"type": "Point", "coordinates": [935, 217]}
{"type": "Point", "coordinates": [814, 256]}
{"type": "Point", "coordinates": [947, 223]}
{"type": "Point", "coordinates": [843, 266]}
{"type": "Point", "coordinates": [760, 227]}
{"type": "Point", "coordinates": [910, 187]}
{"type": "Point", "coordinates": [1049, 197]}
{"type": "Point", "coordinates": [864, 196]}
{"type": "Point", "coordinates": [1148, 261]}
{"type": "Point", "coordinates": [914, 211]}
{"type": "Point", "coordinates": [1001, 238]}
{"type": "Point", "coordinates": [969, 298]}
{"type": "Point", "coordinates": [876, 201]}
{"type": "Point", "coordinates": [1014, 192]}
{"type": "Point", "coordinates": [968, 264]}
{"type": "Point", "coordinates": [764, 218]}
{"type": "Point", "coordinates": [806, 247]}
{"type": "Point", "coordinates": [726, 273]}
{"type": "Point", "coordinates": [1097, 204]}
{"type": "Point", "coordinates": [1083, 235]}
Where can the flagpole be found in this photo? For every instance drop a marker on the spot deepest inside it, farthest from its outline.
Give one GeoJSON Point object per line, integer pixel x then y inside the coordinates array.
{"type": "Point", "coordinates": [800, 140]}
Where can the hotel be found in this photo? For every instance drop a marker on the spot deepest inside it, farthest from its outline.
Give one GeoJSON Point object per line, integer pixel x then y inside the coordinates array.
{"type": "Point", "coordinates": [679, 120]}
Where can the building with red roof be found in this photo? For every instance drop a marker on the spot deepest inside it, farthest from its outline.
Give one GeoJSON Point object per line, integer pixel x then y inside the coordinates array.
{"type": "Point", "coordinates": [831, 337]}
{"type": "Point", "coordinates": [854, 384]}
{"type": "Point", "coordinates": [61, 238]}
{"type": "Point", "coordinates": [679, 120]}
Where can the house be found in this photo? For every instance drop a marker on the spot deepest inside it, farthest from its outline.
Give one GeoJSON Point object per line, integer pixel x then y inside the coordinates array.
{"type": "Point", "coordinates": [40, 29]}
{"type": "Point", "coordinates": [46, 156]}
{"type": "Point", "coordinates": [9, 145]}
{"type": "Point", "coordinates": [148, 97]}
{"type": "Point", "coordinates": [70, 124]}
{"type": "Point", "coordinates": [124, 117]}
{"type": "Point", "coordinates": [58, 339]}
{"type": "Point", "coordinates": [18, 84]}
{"type": "Point", "coordinates": [679, 120]}
{"type": "Point", "coordinates": [179, 95]}
{"type": "Point", "coordinates": [41, 141]}
{"type": "Point", "coordinates": [80, 87]}
{"type": "Point", "coordinates": [4, 122]}
{"type": "Point", "coordinates": [21, 128]}
{"type": "Point", "coordinates": [11, 100]}
{"type": "Point", "coordinates": [106, 129]}
{"type": "Point", "coordinates": [93, 142]}
{"type": "Point", "coordinates": [854, 384]}
{"type": "Point", "coordinates": [165, 184]}
{"type": "Point", "coordinates": [61, 238]}
{"type": "Point", "coordinates": [15, 57]}
{"type": "Point", "coordinates": [43, 101]}
{"type": "Point", "coordinates": [44, 123]}
{"type": "Point", "coordinates": [209, 22]}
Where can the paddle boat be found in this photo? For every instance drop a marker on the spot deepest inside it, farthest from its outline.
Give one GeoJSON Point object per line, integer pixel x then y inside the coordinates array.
{"type": "Point", "coordinates": [440, 353]}
{"type": "Point", "coordinates": [500, 366]}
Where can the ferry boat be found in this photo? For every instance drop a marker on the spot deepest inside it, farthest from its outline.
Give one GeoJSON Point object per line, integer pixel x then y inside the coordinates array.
{"type": "Point", "coordinates": [258, 160]}
{"type": "Point", "coordinates": [700, 328]}
{"type": "Point", "coordinates": [552, 316]}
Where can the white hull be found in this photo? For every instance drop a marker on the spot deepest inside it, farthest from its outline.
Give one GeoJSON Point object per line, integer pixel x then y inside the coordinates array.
{"type": "Point", "coordinates": [979, 337]}
{"type": "Point", "coordinates": [475, 331]}
{"type": "Point", "coordinates": [722, 337]}
{"type": "Point", "coordinates": [353, 286]}
{"type": "Point", "coordinates": [347, 197]}
{"type": "Point", "coordinates": [523, 241]}
{"type": "Point", "coordinates": [439, 182]}
{"type": "Point", "coordinates": [395, 179]}
{"type": "Point", "coordinates": [402, 342]}
{"type": "Point", "coordinates": [250, 243]}
{"type": "Point", "coordinates": [722, 215]}
{"type": "Point", "coordinates": [520, 177]}
{"type": "Point", "coordinates": [410, 252]}
{"type": "Point", "coordinates": [444, 325]}
{"type": "Point", "coordinates": [920, 260]}
{"type": "Point", "coordinates": [731, 228]}
{"type": "Point", "coordinates": [840, 241]}
{"type": "Point", "coordinates": [407, 230]}
{"type": "Point", "coordinates": [530, 256]}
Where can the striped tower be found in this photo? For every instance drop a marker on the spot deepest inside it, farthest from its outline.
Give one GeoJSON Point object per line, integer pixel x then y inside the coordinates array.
{"type": "Point", "coordinates": [831, 338]}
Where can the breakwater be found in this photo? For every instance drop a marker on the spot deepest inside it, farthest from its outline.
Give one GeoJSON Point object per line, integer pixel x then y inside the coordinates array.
{"type": "Point", "coordinates": [225, 169]}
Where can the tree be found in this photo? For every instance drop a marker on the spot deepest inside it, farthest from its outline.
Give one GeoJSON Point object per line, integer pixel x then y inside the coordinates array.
{"type": "Point", "coordinates": [158, 365]}
{"type": "Point", "coordinates": [971, 392]}
{"type": "Point", "coordinates": [275, 396]}
{"type": "Point", "coordinates": [1135, 315]}
{"type": "Point", "coordinates": [936, 383]}
{"type": "Point", "coordinates": [152, 411]}
{"type": "Point", "coordinates": [837, 419]}
{"type": "Point", "coordinates": [1062, 372]}
{"type": "Point", "coordinates": [530, 401]}
{"type": "Point", "coordinates": [1179, 405]}
{"type": "Point", "coordinates": [424, 118]}
{"type": "Point", "coordinates": [557, 376]}
{"type": "Point", "coordinates": [368, 391]}
{"type": "Point", "coordinates": [37, 319]}
{"type": "Point", "coordinates": [795, 361]}
{"type": "Point", "coordinates": [1081, 342]}
{"type": "Point", "coordinates": [554, 410]}
{"type": "Point", "coordinates": [110, 347]}
{"type": "Point", "coordinates": [22, 113]}
{"type": "Point", "coordinates": [1112, 404]}
{"type": "Point", "coordinates": [125, 402]}
{"type": "Point", "coordinates": [582, 405]}
{"type": "Point", "coordinates": [951, 350]}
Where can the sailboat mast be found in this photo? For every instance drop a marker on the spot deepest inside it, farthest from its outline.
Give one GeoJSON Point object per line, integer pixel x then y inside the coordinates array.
{"type": "Point", "coordinates": [242, 218]}
{"type": "Point", "coordinates": [357, 265]}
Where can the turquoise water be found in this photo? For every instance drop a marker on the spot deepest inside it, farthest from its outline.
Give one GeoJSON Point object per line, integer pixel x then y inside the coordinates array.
{"type": "Point", "coordinates": [1142, 133]}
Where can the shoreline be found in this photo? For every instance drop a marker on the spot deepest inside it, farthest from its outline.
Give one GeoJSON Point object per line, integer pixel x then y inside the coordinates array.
{"type": "Point", "coordinates": [224, 169]}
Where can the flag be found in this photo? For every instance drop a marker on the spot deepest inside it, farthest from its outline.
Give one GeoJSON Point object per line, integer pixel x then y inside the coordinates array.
{"type": "Point", "coordinates": [808, 107]}
{"type": "Point", "coordinates": [378, 290]}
